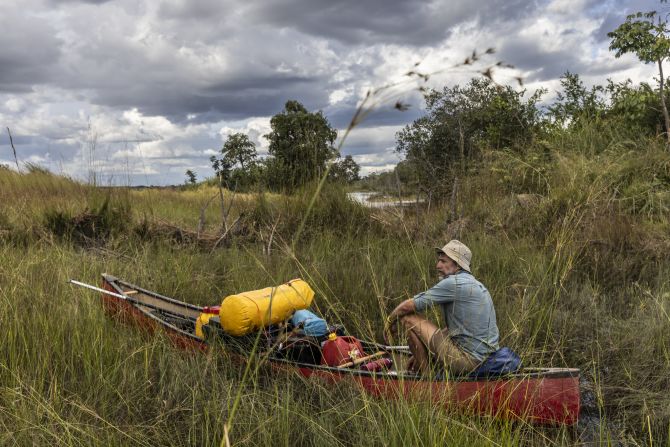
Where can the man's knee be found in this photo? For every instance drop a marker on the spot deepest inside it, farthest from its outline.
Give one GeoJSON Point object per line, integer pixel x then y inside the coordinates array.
{"type": "Point", "coordinates": [411, 321]}
{"type": "Point", "coordinates": [419, 326]}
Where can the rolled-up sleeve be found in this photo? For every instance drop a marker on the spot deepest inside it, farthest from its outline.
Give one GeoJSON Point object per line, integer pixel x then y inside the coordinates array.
{"type": "Point", "coordinates": [442, 292]}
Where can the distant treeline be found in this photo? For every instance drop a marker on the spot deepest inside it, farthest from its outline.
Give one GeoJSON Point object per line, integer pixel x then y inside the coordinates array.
{"type": "Point", "coordinates": [460, 123]}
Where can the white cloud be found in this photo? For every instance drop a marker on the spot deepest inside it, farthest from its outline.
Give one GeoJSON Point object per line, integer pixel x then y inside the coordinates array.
{"type": "Point", "coordinates": [339, 95]}
{"type": "Point", "coordinates": [372, 138]}
{"type": "Point", "coordinates": [254, 128]}
{"type": "Point", "coordinates": [15, 105]}
{"type": "Point", "coordinates": [567, 7]}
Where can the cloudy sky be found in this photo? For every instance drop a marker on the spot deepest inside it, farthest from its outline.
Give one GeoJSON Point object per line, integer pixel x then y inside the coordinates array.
{"type": "Point", "coordinates": [138, 91]}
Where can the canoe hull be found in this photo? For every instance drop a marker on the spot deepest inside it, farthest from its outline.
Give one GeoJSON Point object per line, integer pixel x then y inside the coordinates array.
{"type": "Point", "coordinates": [542, 400]}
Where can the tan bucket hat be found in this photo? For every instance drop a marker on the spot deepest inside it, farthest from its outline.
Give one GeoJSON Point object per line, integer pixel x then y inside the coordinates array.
{"type": "Point", "coordinates": [458, 252]}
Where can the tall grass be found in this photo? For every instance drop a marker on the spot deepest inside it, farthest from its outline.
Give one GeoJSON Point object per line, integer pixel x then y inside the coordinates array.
{"type": "Point", "coordinates": [70, 376]}
{"type": "Point", "coordinates": [579, 278]}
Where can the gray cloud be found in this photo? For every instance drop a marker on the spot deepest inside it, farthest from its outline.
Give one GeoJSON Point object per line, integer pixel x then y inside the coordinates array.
{"type": "Point", "coordinates": [557, 47]}
{"type": "Point", "coordinates": [154, 72]}
{"type": "Point", "coordinates": [208, 10]}
{"type": "Point", "coordinates": [379, 21]}
{"type": "Point", "coordinates": [29, 51]}
{"type": "Point", "coordinates": [173, 74]}
{"type": "Point", "coordinates": [545, 65]}
{"type": "Point", "coordinates": [215, 106]}
{"type": "Point", "coordinates": [385, 115]}
{"type": "Point", "coordinates": [615, 12]}
{"type": "Point", "coordinates": [90, 2]}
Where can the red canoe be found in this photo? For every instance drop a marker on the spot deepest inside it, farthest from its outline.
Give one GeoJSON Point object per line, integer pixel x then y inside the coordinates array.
{"type": "Point", "coordinates": [547, 396]}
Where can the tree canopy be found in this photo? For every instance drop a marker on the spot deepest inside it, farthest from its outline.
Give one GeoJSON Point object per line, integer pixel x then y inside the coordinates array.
{"type": "Point", "coordinates": [644, 34]}
{"type": "Point", "coordinates": [576, 104]}
{"type": "Point", "coordinates": [460, 120]}
{"type": "Point", "coordinates": [647, 36]}
{"type": "Point", "coordinates": [301, 145]}
{"type": "Point", "coordinates": [191, 177]}
{"type": "Point", "coordinates": [345, 170]}
{"type": "Point", "coordinates": [237, 167]}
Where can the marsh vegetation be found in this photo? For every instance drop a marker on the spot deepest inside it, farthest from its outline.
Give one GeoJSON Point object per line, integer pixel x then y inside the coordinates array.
{"type": "Point", "coordinates": [571, 241]}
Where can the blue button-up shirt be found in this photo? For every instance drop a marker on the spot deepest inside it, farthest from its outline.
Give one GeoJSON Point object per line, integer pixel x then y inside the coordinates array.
{"type": "Point", "coordinates": [468, 312]}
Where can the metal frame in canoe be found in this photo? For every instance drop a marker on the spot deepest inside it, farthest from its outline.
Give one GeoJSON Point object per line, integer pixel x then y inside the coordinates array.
{"type": "Point", "coordinates": [547, 396]}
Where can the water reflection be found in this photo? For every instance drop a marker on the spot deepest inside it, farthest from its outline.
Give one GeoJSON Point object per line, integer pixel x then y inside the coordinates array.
{"type": "Point", "coordinates": [378, 201]}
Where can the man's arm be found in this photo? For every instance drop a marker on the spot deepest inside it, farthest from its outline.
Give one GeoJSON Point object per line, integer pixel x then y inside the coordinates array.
{"type": "Point", "coordinates": [404, 308]}
{"type": "Point", "coordinates": [441, 293]}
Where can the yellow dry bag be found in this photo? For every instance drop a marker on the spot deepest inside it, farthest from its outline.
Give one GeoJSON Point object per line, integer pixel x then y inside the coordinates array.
{"type": "Point", "coordinates": [202, 320]}
{"type": "Point", "coordinates": [250, 311]}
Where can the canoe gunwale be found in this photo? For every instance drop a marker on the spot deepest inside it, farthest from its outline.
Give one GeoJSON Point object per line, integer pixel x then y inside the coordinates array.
{"type": "Point", "coordinates": [114, 283]}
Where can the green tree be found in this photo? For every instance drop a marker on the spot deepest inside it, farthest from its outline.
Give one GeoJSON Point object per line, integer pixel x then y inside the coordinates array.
{"type": "Point", "coordinates": [239, 150]}
{"type": "Point", "coordinates": [648, 37]}
{"type": "Point", "coordinates": [237, 167]}
{"type": "Point", "coordinates": [635, 107]}
{"type": "Point", "coordinates": [345, 170]}
{"type": "Point", "coordinates": [190, 177]}
{"type": "Point", "coordinates": [461, 120]}
{"type": "Point", "coordinates": [222, 169]}
{"type": "Point", "coordinates": [301, 145]}
{"type": "Point", "coordinates": [576, 104]}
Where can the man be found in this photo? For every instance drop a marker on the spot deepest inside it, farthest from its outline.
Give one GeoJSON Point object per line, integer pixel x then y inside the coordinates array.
{"type": "Point", "coordinates": [471, 332]}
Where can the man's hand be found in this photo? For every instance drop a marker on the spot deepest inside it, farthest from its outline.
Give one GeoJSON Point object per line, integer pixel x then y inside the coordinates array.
{"type": "Point", "coordinates": [411, 364]}
{"type": "Point", "coordinates": [391, 328]}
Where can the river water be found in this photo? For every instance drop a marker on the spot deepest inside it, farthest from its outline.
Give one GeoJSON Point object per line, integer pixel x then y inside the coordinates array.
{"type": "Point", "coordinates": [385, 202]}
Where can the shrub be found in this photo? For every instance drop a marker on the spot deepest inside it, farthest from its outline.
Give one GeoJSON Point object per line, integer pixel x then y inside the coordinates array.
{"type": "Point", "coordinates": [94, 225]}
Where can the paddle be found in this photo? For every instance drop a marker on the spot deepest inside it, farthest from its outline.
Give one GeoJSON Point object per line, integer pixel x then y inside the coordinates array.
{"type": "Point", "coordinates": [362, 360]}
